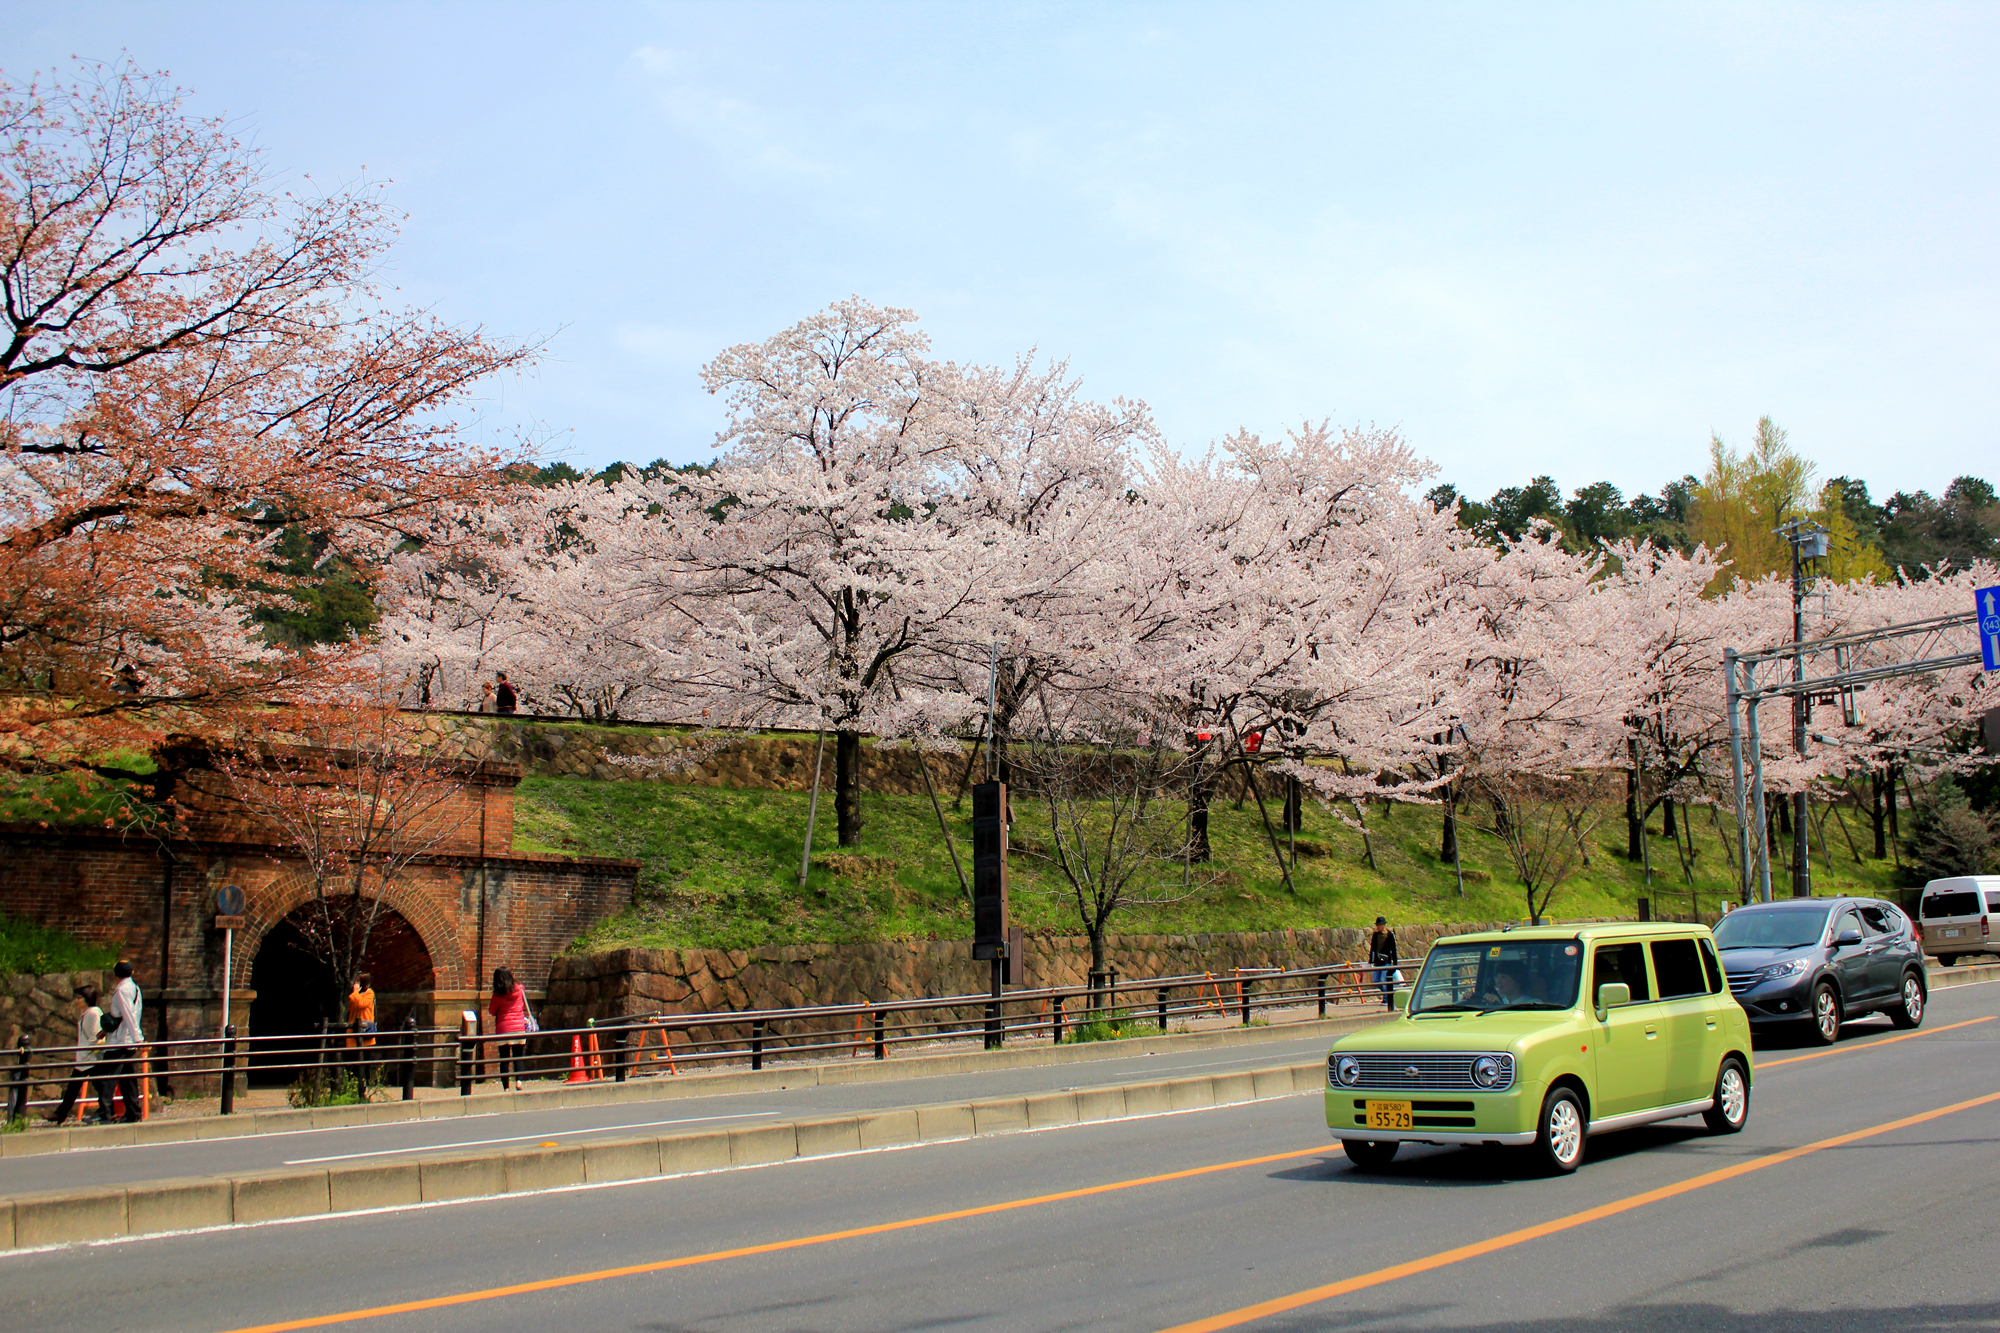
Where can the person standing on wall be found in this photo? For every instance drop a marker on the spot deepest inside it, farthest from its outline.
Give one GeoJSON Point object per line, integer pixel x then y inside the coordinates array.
{"type": "Point", "coordinates": [120, 1067]}
{"type": "Point", "coordinates": [509, 1007]}
{"type": "Point", "coordinates": [505, 700]}
{"type": "Point", "coordinates": [89, 1046]}
{"type": "Point", "coordinates": [1382, 957]}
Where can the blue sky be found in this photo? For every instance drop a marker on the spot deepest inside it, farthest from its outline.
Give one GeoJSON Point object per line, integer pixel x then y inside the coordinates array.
{"type": "Point", "coordinates": [1561, 239]}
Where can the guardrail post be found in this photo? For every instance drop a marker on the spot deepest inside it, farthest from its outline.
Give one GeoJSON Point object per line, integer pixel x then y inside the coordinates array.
{"type": "Point", "coordinates": [465, 1057]}
{"type": "Point", "coordinates": [17, 1095]}
{"type": "Point", "coordinates": [410, 1058]}
{"type": "Point", "coordinates": [1056, 1019]}
{"type": "Point", "coordinates": [881, 1037]}
{"type": "Point", "coordinates": [228, 1069]}
{"type": "Point", "coordinates": [621, 1044]}
{"type": "Point", "coordinates": [1243, 986]}
{"type": "Point", "coordinates": [1322, 995]}
{"type": "Point", "coordinates": [757, 1045]}
{"type": "Point", "coordinates": [1162, 998]}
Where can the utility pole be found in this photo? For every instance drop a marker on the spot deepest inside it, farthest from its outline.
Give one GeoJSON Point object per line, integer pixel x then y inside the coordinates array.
{"type": "Point", "coordinates": [1808, 542]}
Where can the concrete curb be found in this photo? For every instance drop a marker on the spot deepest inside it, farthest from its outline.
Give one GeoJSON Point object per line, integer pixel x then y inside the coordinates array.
{"type": "Point", "coordinates": [71, 1216]}
{"type": "Point", "coordinates": [662, 1088]}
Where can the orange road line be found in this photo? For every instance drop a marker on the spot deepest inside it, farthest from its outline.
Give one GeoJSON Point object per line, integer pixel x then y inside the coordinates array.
{"type": "Point", "coordinates": [1866, 1045]}
{"type": "Point", "coordinates": [772, 1247]}
{"type": "Point", "coordinates": [1314, 1295]}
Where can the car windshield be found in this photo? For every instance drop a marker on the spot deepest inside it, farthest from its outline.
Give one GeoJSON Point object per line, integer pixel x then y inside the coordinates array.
{"type": "Point", "coordinates": [1503, 974]}
{"type": "Point", "coordinates": [1784, 927]}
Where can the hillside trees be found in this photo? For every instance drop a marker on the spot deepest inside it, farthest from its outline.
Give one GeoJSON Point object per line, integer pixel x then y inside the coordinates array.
{"type": "Point", "coordinates": [193, 363]}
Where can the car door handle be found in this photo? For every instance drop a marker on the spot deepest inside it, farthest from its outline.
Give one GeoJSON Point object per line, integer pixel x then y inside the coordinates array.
{"type": "Point", "coordinates": [1711, 1025]}
{"type": "Point", "coordinates": [1650, 1032]}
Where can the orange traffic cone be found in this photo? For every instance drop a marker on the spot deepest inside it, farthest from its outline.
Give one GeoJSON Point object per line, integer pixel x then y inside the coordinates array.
{"type": "Point", "coordinates": [596, 1057]}
{"type": "Point", "coordinates": [577, 1073]}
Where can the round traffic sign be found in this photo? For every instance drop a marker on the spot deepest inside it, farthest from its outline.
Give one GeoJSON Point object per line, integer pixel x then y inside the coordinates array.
{"type": "Point", "coordinates": [229, 901]}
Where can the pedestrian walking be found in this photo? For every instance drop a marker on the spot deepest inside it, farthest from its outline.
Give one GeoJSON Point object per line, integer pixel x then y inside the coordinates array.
{"type": "Point", "coordinates": [505, 700]}
{"type": "Point", "coordinates": [1382, 957]}
{"type": "Point", "coordinates": [509, 1007]}
{"type": "Point", "coordinates": [119, 1069]}
{"type": "Point", "coordinates": [89, 1048]}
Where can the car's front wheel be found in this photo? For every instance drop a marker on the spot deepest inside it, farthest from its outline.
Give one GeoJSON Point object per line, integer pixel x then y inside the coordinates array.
{"type": "Point", "coordinates": [1370, 1154]}
{"type": "Point", "coordinates": [1910, 1013]}
{"type": "Point", "coordinates": [1732, 1097]}
{"type": "Point", "coordinates": [1560, 1132]}
{"type": "Point", "coordinates": [1826, 1013]}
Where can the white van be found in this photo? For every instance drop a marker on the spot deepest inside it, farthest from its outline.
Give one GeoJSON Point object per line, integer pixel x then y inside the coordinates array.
{"type": "Point", "coordinates": [1957, 916]}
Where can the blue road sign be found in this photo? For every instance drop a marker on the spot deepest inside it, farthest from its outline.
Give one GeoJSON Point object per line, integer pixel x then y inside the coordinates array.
{"type": "Point", "coordinates": [1987, 602]}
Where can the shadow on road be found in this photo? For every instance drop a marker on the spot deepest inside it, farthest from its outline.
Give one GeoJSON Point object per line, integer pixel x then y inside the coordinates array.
{"type": "Point", "coordinates": [1673, 1318]}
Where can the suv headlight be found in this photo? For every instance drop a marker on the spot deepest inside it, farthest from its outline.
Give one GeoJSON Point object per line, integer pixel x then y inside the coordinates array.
{"type": "Point", "coordinates": [1492, 1071]}
{"type": "Point", "coordinates": [1348, 1070]}
{"type": "Point", "coordinates": [1790, 968]}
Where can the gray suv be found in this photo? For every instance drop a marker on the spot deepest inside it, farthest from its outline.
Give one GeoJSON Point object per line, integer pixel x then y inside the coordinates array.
{"type": "Point", "coordinates": [1822, 961]}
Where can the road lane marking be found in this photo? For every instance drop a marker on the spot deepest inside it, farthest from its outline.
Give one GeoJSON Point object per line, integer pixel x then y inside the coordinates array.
{"type": "Point", "coordinates": [770, 1247]}
{"type": "Point", "coordinates": [1865, 1045]}
{"type": "Point", "coordinates": [522, 1138]}
{"type": "Point", "coordinates": [1445, 1258]}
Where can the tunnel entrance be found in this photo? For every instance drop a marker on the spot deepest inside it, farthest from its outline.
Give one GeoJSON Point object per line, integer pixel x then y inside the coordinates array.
{"type": "Point", "coordinates": [297, 986]}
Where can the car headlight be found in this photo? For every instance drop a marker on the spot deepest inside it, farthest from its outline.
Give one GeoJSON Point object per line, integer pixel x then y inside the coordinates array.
{"type": "Point", "coordinates": [1492, 1071]}
{"type": "Point", "coordinates": [1348, 1070]}
{"type": "Point", "coordinates": [1790, 968]}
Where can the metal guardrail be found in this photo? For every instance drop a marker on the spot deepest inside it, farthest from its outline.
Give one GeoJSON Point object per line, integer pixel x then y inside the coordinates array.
{"type": "Point", "coordinates": [665, 1043]}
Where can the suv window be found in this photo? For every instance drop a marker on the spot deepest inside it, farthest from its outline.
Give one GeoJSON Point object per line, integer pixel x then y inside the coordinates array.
{"type": "Point", "coordinates": [1711, 967]}
{"type": "Point", "coordinates": [1620, 962]}
{"type": "Point", "coordinates": [1951, 904]}
{"type": "Point", "coordinates": [1849, 920]}
{"type": "Point", "coordinates": [1677, 967]}
{"type": "Point", "coordinates": [1877, 921]}
{"type": "Point", "coordinates": [1993, 902]}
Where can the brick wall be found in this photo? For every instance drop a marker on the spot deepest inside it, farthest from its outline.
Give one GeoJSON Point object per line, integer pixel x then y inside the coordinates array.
{"type": "Point", "coordinates": [155, 904]}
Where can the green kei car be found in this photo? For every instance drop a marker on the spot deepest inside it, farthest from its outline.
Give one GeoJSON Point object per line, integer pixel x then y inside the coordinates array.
{"type": "Point", "coordinates": [1541, 1037]}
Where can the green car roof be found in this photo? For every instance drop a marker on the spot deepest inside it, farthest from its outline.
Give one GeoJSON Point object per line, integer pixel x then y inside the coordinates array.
{"type": "Point", "coordinates": [1583, 931]}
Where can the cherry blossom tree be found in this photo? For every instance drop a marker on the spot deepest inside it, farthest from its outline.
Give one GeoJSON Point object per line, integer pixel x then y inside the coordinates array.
{"type": "Point", "coordinates": [193, 359]}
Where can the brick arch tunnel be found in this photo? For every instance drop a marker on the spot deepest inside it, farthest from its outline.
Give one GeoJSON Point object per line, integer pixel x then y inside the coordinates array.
{"type": "Point", "coordinates": [297, 987]}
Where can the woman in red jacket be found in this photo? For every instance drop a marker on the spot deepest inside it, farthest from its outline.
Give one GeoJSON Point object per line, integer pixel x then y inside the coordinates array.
{"type": "Point", "coordinates": [509, 1008]}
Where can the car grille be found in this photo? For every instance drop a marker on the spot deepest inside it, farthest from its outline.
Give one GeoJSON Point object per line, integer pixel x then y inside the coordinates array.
{"type": "Point", "coordinates": [1387, 1070]}
{"type": "Point", "coordinates": [1741, 981]}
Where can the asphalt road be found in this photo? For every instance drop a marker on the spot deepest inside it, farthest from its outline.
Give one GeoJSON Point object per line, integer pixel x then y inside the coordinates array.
{"type": "Point", "coordinates": [1826, 1214]}
{"type": "Point", "coordinates": [416, 1139]}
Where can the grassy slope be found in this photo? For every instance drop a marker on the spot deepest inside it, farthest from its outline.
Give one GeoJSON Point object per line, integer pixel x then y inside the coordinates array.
{"type": "Point", "coordinates": [721, 870]}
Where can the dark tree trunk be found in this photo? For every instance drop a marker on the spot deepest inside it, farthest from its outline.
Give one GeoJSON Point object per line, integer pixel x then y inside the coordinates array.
{"type": "Point", "coordinates": [1875, 816]}
{"type": "Point", "coordinates": [1448, 845]}
{"type": "Point", "coordinates": [847, 786]}
{"type": "Point", "coordinates": [1295, 806]}
{"type": "Point", "coordinates": [1785, 817]}
{"type": "Point", "coordinates": [1200, 793]}
{"type": "Point", "coordinates": [1889, 800]}
{"type": "Point", "coordinates": [1671, 827]}
{"type": "Point", "coordinates": [1634, 830]}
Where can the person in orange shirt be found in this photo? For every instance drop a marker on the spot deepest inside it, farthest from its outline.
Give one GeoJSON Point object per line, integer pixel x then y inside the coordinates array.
{"type": "Point", "coordinates": [361, 1011]}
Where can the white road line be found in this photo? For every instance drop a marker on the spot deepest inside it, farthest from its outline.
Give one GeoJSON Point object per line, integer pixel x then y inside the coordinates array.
{"type": "Point", "coordinates": [523, 1138]}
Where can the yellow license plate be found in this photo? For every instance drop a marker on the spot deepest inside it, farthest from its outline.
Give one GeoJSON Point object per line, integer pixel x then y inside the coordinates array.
{"type": "Point", "coordinates": [1390, 1115]}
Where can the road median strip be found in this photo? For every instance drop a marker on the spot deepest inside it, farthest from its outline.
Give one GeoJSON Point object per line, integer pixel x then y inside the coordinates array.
{"type": "Point", "coordinates": [783, 1075]}
{"type": "Point", "coordinates": [149, 1208]}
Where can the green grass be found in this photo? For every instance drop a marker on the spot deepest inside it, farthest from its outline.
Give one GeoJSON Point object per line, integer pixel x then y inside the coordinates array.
{"type": "Point", "coordinates": [26, 947]}
{"type": "Point", "coordinates": [721, 870]}
{"type": "Point", "coordinates": [71, 800]}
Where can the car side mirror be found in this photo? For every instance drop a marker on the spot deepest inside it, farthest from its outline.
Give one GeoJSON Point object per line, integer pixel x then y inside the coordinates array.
{"type": "Point", "coordinates": [1612, 994]}
{"type": "Point", "coordinates": [1400, 998]}
{"type": "Point", "coordinates": [1847, 937]}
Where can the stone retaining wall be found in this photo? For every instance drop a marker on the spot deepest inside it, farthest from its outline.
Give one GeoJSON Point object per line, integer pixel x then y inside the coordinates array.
{"type": "Point", "coordinates": [637, 981]}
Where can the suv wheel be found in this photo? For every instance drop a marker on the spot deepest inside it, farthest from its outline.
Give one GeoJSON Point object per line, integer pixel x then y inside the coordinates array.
{"type": "Point", "coordinates": [1370, 1155]}
{"type": "Point", "coordinates": [1561, 1130]}
{"type": "Point", "coordinates": [1910, 1012]}
{"type": "Point", "coordinates": [1826, 1013]}
{"type": "Point", "coordinates": [1732, 1098]}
